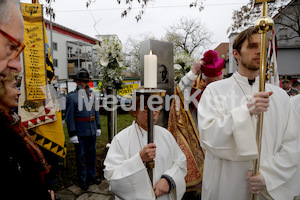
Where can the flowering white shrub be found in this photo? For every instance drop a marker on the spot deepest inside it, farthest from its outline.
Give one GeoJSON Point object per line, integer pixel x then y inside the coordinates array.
{"type": "Point", "coordinates": [182, 65]}
{"type": "Point", "coordinates": [110, 58]}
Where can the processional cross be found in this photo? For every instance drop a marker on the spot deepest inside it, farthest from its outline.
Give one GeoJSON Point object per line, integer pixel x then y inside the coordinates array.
{"type": "Point", "coordinates": [264, 24]}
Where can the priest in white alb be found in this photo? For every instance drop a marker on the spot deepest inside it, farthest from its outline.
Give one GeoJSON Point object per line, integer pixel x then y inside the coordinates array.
{"type": "Point", "coordinates": [227, 127]}
{"type": "Point", "coordinates": [125, 161]}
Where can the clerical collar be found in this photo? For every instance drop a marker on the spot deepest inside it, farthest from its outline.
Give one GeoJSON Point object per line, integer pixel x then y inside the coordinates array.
{"type": "Point", "coordinates": [250, 81]}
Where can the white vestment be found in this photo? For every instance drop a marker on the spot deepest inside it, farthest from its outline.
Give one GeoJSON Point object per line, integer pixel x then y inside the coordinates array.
{"type": "Point", "coordinates": [227, 132]}
{"type": "Point", "coordinates": [126, 172]}
{"type": "Point", "coordinates": [185, 85]}
{"type": "Point", "coordinates": [296, 104]}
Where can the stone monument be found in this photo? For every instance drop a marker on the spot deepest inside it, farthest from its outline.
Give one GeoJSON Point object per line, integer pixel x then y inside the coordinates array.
{"type": "Point", "coordinates": [165, 70]}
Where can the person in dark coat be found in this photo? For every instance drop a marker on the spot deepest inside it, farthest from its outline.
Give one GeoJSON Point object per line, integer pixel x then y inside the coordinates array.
{"type": "Point", "coordinates": [83, 125]}
{"type": "Point", "coordinates": [23, 167]}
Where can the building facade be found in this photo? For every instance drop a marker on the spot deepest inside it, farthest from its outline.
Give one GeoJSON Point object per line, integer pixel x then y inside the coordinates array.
{"type": "Point", "coordinates": [223, 53]}
{"type": "Point", "coordinates": [232, 64]}
{"type": "Point", "coordinates": [288, 39]}
{"type": "Point", "coordinates": [223, 50]}
{"type": "Point", "coordinates": [71, 51]}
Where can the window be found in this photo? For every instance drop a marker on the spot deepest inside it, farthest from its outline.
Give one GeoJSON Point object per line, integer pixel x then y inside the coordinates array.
{"type": "Point", "coordinates": [76, 52]}
{"type": "Point", "coordinates": [55, 61]}
{"type": "Point", "coordinates": [70, 49]}
{"type": "Point", "coordinates": [54, 45]}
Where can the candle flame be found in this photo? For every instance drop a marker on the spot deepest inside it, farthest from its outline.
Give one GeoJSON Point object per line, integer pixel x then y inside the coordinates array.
{"type": "Point", "coordinates": [150, 52]}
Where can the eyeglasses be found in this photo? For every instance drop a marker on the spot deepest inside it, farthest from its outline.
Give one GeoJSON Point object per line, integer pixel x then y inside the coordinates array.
{"type": "Point", "coordinates": [19, 46]}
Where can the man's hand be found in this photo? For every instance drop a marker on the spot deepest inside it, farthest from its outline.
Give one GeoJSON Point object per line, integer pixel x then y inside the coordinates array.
{"type": "Point", "coordinates": [98, 132]}
{"type": "Point", "coordinates": [52, 195]}
{"type": "Point", "coordinates": [196, 69]}
{"type": "Point", "coordinates": [148, 152]}
{"type": "Point", "coordinates": [161, 187]}
{"type": "Point", "coordinates": [74, 139]}
{"type": "Point", "coordinates": [256, 183]}
{"type": "Point", "coordinates": [259, 103]}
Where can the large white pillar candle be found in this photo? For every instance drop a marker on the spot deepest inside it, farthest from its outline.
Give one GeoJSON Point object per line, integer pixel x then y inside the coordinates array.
{"type": "Point", "coordinates": [150, 70]}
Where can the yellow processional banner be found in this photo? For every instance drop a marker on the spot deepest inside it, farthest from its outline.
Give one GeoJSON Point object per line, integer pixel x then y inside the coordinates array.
{"type": "Point", "coordinates": [37, 109]}
{"type": "Point", "coordinates": [34, 59]}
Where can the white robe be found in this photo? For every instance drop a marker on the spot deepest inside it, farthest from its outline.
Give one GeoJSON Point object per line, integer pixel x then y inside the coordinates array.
{"type": "Point", "coordinates": [296, 104]}
{"type": "Point", "coordinates": [185, 85]}
{"type": "Point", "coordinates": [126, 172]}
{"type": "Point", "coordinates": [227, 132]}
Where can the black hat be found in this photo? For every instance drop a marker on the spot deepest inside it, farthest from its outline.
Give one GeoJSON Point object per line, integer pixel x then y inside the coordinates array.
{"type": "Point", "coordinates": [287, 79]}
{"type": "Point", "coordinates": [82, 75]}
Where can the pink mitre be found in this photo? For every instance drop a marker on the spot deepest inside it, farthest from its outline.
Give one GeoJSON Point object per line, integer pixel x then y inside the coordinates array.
{"type": "Point", "coordinates": [213, 65]}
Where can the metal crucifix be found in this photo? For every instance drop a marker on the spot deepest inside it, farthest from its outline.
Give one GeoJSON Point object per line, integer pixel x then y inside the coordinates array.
{"type": "Point", "coordinates": [264, 24]}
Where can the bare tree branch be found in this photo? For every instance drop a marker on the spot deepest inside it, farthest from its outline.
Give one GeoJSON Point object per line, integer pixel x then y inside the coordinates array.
{"type": "Point", "coordinates": [188, 35]}
{"type": "Point", "coordinates": [249, 13]}
{"type": "Point", "coordinates": [143, 6]}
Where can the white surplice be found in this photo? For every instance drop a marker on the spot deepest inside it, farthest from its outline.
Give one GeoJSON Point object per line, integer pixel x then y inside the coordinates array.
{"type": "Point", "coordinates": [296, 104]}
{"type": "Point", "coordinates": [227, 132]}
{"type": "Point", "coordinates": [126, 172]}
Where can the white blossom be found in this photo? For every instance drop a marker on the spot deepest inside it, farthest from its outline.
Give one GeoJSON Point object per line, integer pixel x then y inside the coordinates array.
{"type": "Point", "coordinates": [110, 58]}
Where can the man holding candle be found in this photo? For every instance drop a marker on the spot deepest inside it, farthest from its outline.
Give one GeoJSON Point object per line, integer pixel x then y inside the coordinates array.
{"type": "Point", "coordinates": [125, 161]}
{"type": "Point", "coordinates": [183, 121]}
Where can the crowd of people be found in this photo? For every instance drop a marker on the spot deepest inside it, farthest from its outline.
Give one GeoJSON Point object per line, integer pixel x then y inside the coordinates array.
{"type": "Point", "coordinates": [206, 153]}
{"type": "Point", "coordinates": [217, 135]}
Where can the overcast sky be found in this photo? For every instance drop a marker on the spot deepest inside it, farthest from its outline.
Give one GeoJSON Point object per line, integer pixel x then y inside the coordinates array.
{"type": "Point", "coordinates": [104, 17]}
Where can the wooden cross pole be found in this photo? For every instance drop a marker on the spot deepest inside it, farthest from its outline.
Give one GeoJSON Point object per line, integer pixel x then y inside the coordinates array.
{"type": "Point", "coordinates": [264, 24]}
